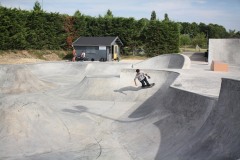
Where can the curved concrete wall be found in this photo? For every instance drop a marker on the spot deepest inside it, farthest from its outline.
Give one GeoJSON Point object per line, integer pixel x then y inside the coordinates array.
{"type": "Point", "coordinates": [225, 50]}
{"type": "Point", "coordinates": [218, 137]}
{"type": "Point", "coordinates": [115, 88]}
{"type": "Point", "coordinates": [174, 61]}
{"type": "Point", "coordinates": [190, 126]}
{"type": "Point", "coordinates": [178, 116]}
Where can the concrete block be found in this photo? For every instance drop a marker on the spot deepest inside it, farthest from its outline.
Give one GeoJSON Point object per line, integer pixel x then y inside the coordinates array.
{"type": "Point", "coordinates": [219, 66]}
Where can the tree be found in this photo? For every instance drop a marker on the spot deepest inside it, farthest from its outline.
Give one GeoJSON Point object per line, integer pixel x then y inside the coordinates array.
{"type": "Point", "coordinates": [79, 25]}
{"type": "Point", "coordinates": [77, 14]}
{"type": "Point", "coordinates": [233, 34]}
{"type": "Point", "coordinates": [131, 33]}
{"type": "Point", "coordinates": [186, 28]}
{"type": "Point", "coordinates": [203, 28]}
{"type": "Point", "coordinates": [194, 29]}
{"type": "Point", "coordinates": [142, 25]}
{"type": "Point", "coordinates": [108, 14]}
{"type": "Point", "coordinates": [69, 30]}
{"type": "Point", "coordinates": [161, 38]}
{"type": "Point", "coordinates": [166, 17]}
{"type": "Point", "coordinates": [216, 31]}
{"type": "Point", "coordinates": [185, 40]}
{"type": "Point", "coordinates": [153, 16]}
{"type": "Point", "coordinates": [39, 30]}
{"type": "Point", "coordinates": [237, 35]}
{"type": "Point", "coordinates": [200, 40]}
{"type": "Point", "coordinates": [5, 31]}
{"type": "Point", "coordinates": [37, 7]}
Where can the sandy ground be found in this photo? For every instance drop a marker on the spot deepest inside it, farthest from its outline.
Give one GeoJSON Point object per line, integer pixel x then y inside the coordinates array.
{"type": "Point", "coordinates": [23, 57]}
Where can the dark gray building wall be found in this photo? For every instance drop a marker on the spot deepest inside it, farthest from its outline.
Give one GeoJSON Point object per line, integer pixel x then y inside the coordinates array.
{"type": "Point", "coordinates": [98, 47]}
{"type": "Point", "coordinates": [94, 52]}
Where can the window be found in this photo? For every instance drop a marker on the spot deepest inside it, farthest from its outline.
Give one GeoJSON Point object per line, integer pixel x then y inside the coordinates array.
{"type": "Point", "coordinates": [92, 50]}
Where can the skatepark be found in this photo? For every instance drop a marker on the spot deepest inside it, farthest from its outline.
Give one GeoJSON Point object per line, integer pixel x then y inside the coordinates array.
{"type": "Point", "coordinates": [93, 110]}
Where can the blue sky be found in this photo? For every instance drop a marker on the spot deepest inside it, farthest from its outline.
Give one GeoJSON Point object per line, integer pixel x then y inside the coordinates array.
{"type": "Point", "coordinates": [222, 12]}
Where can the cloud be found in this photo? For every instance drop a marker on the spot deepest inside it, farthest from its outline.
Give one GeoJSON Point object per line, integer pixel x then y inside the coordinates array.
{"type": "Point", "coordinates": [201, 1]}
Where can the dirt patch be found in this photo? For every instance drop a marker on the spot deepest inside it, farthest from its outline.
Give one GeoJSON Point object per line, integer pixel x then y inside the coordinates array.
{"type": "Point", "coordinates": [24, 56]}
{"type": "Point", "coordinates": [51, 57]}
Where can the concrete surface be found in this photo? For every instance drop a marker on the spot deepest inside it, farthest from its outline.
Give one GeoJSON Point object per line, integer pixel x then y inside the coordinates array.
{"type": "Point", "coordinates": [167, 61]}
{"type": "Point", "coordinates": [92, 110]}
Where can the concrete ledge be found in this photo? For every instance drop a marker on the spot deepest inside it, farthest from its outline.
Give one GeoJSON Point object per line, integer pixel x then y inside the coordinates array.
{"type": "Point", "coordinates": [219, 66]}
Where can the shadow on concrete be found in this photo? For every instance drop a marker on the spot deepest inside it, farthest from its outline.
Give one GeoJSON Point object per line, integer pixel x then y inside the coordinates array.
{"type": "Point", "coordinates": [198, 56]}
{"type": "Point", "coordinates": [82, 109]}
{"type": "Point", "coordinates": [128, 88]}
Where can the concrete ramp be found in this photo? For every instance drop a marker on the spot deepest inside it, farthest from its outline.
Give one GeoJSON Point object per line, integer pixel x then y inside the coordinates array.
{"type": "Point", "coordinates": [171, 61]}
{"type": "Point", "coordinates": [190, 126]}
{"type": "Point", "coordinates": [218, 137]}
{"type": "Point", "coordinates": [59, 73]}
{"type": "Point", "coordinates": [93, 111]}
{"type": "Point", "coordinates": [165, 123]}
{"type": "Point", "coordinates": [17, 79]}
{"type": "Point", "coordinates": [115, 88]}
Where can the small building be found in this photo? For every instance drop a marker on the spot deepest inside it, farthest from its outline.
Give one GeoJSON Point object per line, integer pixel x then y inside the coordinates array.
{"type": "Point", "coordinates": [98, 48]}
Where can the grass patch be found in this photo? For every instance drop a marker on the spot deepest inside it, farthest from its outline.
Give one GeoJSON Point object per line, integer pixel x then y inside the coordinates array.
{"type": "Point", "coordinates": [133, 57]}
{"type": "Point", "coordinates": [40, 53]}
{"type": "Point", "coordinates": [2, 52]}
{"type": "Point", "coordinates": [188, 49]}
{"type": "Point", "coordinates": [61, 54]}
{"type": "Point", "coordinates": [37, 53]}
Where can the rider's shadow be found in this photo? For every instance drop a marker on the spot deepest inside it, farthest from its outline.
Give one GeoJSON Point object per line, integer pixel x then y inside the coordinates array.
{"type": "Point", "coordinates": [128, 88]}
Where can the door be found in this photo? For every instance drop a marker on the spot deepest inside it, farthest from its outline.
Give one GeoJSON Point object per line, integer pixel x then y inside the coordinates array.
{"type": "Point", "coordinates": [115, 52]}
{"type": "Point", "coordinates": [109, 54]}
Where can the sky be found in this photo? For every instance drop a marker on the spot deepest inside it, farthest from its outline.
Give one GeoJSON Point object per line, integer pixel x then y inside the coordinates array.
{"type": "Point", "coordinates": [221, 12]}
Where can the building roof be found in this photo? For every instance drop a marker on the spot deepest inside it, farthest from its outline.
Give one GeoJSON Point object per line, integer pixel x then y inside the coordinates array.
{"type": "Point", "coordinates": [97, 41]}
